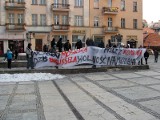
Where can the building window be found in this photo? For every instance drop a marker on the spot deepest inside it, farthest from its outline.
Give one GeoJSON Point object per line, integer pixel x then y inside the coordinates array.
{"type": "Point", "coordinates": [56, 19]}
{"type": "Point", "coordinates": [109, 22]}
{"type": "Point", "coordinates": [116, 40]}
{"type": "Point", "coordinates": [64, 2]}
{"type": "Point", "coordinates": [20, 1]}
{"type": "Point", "coordinates": [123, 7]}
{"type": "Point", "coordinates": [11, 1]}
{"type": "Point", "coordinates": [34, 1]}
{"type": "Point", "coordinates": [96, 21]}
{"type": "Point", "coordinates": [11, 18]}
{"type": "Point", "coordinates": [65, 20]}
{"type": "Point", "coordinates": [123, 23]}
{"type": "Point", "coordinates": [109, 3]}
{"type": "Point", "coordinates": [78, 3]}
{"type": "Point", "coordinates": [134, 6]}
{"type": "Point", "coordinates": [135, 23]}
{"type": "Point", "coordinates": [20, 18]}
{"type": "Point", "coordinates": [96, 3]}
{"type": "Point", "coordinates": [42, 2]}
{"type": "Point", "coordinates": [78, 21]}
{"type": "Point", "coordinates": [34, 19]}
{"type": "Point", "coordinates": [42, 19]}
{"type": "Point", "coordinates": [64, 38]}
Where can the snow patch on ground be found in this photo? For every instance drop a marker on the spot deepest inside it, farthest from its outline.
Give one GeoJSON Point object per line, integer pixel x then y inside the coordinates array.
{"type": "Point", "coordinates": [29, 77]}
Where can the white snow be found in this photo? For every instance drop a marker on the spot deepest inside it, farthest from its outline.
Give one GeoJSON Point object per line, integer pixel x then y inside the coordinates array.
{"type": "Point", "coordinates": [29, 77]}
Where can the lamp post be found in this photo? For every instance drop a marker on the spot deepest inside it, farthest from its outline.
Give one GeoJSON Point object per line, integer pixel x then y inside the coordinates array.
{"type": "Point", "coordinates": [29, 36]}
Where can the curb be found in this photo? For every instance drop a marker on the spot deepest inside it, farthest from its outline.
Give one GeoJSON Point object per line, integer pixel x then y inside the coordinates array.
{"type": "Point", "coordinates": [76, 70]}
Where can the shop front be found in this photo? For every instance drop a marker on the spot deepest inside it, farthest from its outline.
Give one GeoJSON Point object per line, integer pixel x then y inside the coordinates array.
{"type": "Point", "coordinates": [16, 45]}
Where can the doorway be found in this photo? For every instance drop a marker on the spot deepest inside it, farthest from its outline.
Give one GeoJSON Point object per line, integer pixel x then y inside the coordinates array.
{"type": "Point", "coordinates": [38, 45]}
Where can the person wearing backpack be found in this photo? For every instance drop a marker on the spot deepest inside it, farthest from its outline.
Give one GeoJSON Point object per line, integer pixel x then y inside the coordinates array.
{"type": "Point", "coordinates": [9, 56]}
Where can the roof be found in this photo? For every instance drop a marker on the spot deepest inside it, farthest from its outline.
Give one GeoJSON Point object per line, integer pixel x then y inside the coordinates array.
{"type": "Point", "coordinates": [152, 39]}
{"type": "Point", "coordinates": [148, 30]}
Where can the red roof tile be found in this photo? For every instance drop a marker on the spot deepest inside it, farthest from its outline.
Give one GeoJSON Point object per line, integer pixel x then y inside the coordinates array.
{"type": "Point", "coordinates": [152, 39]}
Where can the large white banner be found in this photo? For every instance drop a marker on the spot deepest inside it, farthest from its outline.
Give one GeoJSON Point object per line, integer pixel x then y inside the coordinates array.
{"type": "Point", "coordinates": [89, 55]}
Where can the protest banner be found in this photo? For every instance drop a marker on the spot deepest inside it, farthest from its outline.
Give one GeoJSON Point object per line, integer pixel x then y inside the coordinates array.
{"type": "Point", "coordinates": [89, 55]}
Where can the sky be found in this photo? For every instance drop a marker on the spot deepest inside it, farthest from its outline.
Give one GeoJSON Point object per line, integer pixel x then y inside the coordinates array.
{"type": "Point", "coordinates": [29, 77]}
{"type": "Point", "coordinates": [151, 10]}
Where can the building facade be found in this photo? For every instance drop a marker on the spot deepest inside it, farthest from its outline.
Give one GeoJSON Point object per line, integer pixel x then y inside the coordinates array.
{"type": "Point", "coordinates": [39, 21]}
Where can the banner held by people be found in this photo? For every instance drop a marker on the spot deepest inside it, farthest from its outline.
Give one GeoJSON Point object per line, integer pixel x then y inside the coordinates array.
{"type": "Point", "coordinates": [89, 55]}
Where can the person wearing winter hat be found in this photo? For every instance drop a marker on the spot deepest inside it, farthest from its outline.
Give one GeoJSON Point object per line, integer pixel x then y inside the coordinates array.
{"type": "Point", "coordinates": [9, 56]}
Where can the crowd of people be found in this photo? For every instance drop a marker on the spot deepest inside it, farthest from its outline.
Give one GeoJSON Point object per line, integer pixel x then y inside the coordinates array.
{"type": "Point", "coordinates": [59, 47]}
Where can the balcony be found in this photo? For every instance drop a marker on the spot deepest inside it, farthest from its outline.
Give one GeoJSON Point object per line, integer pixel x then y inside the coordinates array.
{"type": "Point", "coordinates": [15, 5]}
{"type": "Point", "coordinates": [60, 7]}
{"type": "Point", "coordinates": [111, 29]}
{"type": "Point", "coordinates": [110, 10]}
{"type": "Point", "coordinates": [64, 28]}
{"type": "Point", "coordinates": [15, 27]}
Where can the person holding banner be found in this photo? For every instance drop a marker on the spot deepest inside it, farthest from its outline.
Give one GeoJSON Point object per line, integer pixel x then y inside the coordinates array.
{"type": "Point", "coordinates": [78, 44]}
{"type": "Point", "coordinates": [60, 45]}
{"type": "Point", "coordinates": [67, 46]}
{"type": "Point", "coordinates": [53, 46]}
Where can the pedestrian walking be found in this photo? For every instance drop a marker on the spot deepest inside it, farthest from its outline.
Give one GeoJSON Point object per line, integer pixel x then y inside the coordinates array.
{"type": "Point", "coordinates": [67, 46]}
{"type": "Point", "coordinates": [29, 56]}
{"type": "Point", "coordinates": [9, 56]}
{"type": "Point", "coordinates": [146, 56]}
{"type": "Point", "coordinates": [155, 56]}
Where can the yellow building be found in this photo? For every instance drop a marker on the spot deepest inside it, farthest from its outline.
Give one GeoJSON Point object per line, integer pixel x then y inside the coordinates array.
{"type": "Point", "coordinates": [39, 21]}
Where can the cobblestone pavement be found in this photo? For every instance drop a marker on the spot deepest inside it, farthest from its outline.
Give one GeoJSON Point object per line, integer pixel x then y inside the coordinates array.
{"type": "Point", "coordinates": [122, 95]}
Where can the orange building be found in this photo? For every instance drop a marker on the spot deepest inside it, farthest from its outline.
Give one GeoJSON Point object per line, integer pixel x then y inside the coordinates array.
{"type": "Point", "coordinates": [39, 21]}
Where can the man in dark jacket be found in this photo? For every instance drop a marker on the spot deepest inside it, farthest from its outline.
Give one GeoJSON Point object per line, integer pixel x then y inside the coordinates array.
{"type": "Point", "coordinates": [60, 45]}
{"type": "Point", "coordinates": [146, 56]}
{"type": "Point", "coordinates": [155, 56]}
{"type": "Point", "coordinates": [78, 44]}
{"type": "Point", "coordinates": [67, 46]}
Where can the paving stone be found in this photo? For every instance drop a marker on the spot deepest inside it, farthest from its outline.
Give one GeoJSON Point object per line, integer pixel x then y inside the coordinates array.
{"type": "Point", "coordinates": [6, 89]}
{"type": "Point", "coordinates": [116, 83]}
{"type": "Point", "coordinates": [53, 104]}
{"type": "Point", "coordinates": [137, 92]}
{"type": "Point", "coordinates": [100, 77]}
{"type": "Point", "coordinates": [144, 80]}
{"type": "Point", "coordinates": [124, 109]}
{"type": "Point", "coordinates": [3, 102]}
{"type": "Point", "coordinates": [158, 77]}
{"type": "Point", "coordinates": [148, 73]}
{"type": "Point", "coordinates": [23, 102]}
{"type": "Point", "coordinates": [152, 104]}
{"type": "Point", "coordinates": [25, 89]}
{"type": "Point", "coordinates": [86, 106]}
{"type": "Point", "coordinates": [26, 83]}
{"type": "Point", "coordinates": [157, 87]}
{"type": "Point", "coordinates": [22, 116]}
{"type": "Point", "coordinates": [126, 75]}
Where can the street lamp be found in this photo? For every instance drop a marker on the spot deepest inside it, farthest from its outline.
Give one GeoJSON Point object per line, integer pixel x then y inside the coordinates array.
{"type": "Point", "coordinates": [29, 36]}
